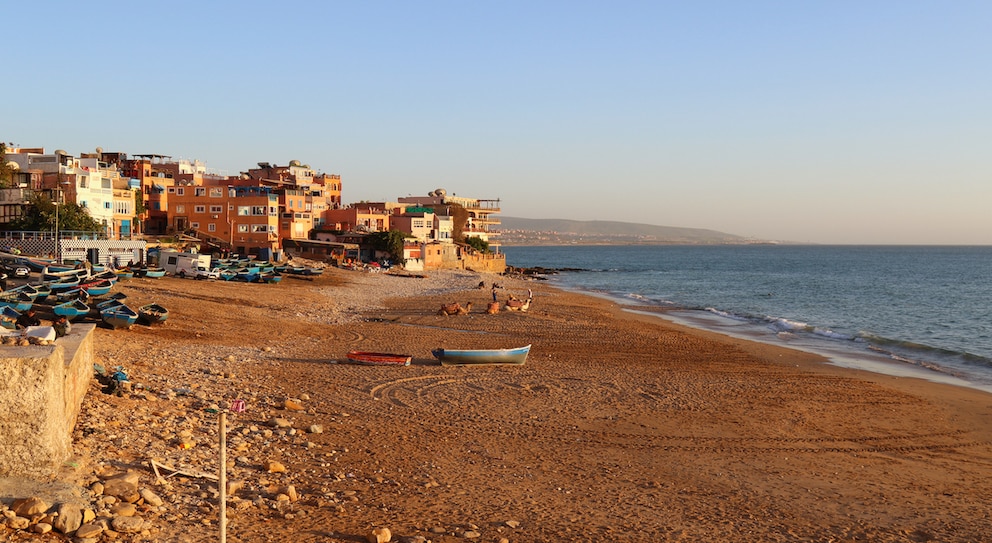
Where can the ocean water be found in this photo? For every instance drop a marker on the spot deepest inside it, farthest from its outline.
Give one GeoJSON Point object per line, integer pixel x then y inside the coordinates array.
{"type": "Point", "coordinates": [902, 310]}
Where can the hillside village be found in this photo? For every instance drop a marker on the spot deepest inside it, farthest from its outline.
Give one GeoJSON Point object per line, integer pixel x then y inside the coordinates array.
{"type": "Point", "coordinates": [267, 212]}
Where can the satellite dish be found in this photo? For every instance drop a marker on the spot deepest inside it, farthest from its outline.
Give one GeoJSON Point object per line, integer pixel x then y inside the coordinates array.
{"type": "Point", "coordinates": [60, 152]}
{"type": "Point", "coordinates": [99, 150]}
{"type": "Point", "coordinates": [13, 165]}
{"type": "Point", "coordinates": [294, 162]}
{"type": "Point", "coordinates": [440, 192]}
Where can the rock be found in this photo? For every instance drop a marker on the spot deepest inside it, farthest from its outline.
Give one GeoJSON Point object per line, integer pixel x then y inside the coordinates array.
{"type": "Point", "coordinates": [41, 528]}
{"type": "Point", "coordinates": [469, 534]}
{"type": "Point", "coordinates": [292, 405]}
{"type": "Point", "coordinates": [18, 523]}
{"type": "Point", "coordinates": [151, 498]}
{"type": "Point", "coordinates": [379, 535]}
{"type": "Point", "coordinates": [69, 519]}
{"type": "Point", "coordinates": [272, 466]}
{"type": "Point", "coordinates": [316, 429]}
{"type": "Point", "coordinates": [124, 510]}
{"type": "Point", "coordinates": [123, 486]}
{"type": "Point", "coordinates": [234, 486]}
{"type": "Point", "coordinates": [97, 488]}
{"type": "Point", "coordinates": [27, 507]}
{"type": "Point", "coordinates": [128, 525]}
{"type": "Point", "coordinates": [290, 491]}
{"type": "Point", "coordinates": [89, 531]}
{"type": "Point", "coordinates": [512, 524]}
{"type": "Point", "coordinates": [279, 422]}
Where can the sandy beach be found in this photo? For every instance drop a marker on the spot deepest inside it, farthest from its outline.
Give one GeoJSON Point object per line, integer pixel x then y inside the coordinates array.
{"type": "Point", "coordinates": [620, 427]}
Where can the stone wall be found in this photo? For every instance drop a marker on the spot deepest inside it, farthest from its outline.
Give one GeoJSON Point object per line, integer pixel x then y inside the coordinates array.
{"type": "Point", "coordinates": [41, 393]}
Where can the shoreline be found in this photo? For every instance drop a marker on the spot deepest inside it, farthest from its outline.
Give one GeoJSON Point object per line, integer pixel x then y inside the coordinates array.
{"type": "Point", "coordinates": [620, 426]}
{"type": "Point", "coordinates": [854, 356]}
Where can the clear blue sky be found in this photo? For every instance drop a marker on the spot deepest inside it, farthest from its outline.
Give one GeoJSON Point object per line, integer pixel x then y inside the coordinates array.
{"type": "Point", "coordinates": [828, 122]}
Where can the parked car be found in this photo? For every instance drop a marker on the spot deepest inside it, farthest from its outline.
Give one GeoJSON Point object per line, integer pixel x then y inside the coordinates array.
{"type": "Point", "coordinates": [15, 270]}
{"type": "Point", "coordinates": [205, 273]}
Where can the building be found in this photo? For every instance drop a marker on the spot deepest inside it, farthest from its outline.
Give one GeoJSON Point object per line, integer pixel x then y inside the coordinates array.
{"type": "Point", "coordinates": [481, 220]}
{"type": "Point", "coordinates": [243, 220]}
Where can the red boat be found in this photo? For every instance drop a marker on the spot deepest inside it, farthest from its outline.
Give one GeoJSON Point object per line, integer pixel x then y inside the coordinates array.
{"type": "Point", "coordinates": [378, 359]}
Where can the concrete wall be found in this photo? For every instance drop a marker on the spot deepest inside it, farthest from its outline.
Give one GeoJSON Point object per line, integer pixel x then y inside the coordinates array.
{"type": "Point", "coordinates": [41, 393]}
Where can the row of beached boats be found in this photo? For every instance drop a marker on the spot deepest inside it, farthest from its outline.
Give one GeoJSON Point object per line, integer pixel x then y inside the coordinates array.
{"type": "Point", "coordinates": [69, 291]}
{"type": "Point", "coordinates": [448, 357]}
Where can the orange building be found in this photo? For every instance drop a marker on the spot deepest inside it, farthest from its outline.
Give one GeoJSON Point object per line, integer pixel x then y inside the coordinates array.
{"type": "Point", "coordinates": [244, 220]}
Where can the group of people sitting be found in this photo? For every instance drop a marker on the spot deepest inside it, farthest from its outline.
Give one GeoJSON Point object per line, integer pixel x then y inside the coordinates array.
{"type": "Point", "coordinates": [30, 318]}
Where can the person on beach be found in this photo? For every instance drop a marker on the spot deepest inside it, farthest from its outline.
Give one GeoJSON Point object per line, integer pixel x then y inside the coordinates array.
{"type": "Point", "coordinates": [61, 326]}
{"type": "Point", "coordinates": [28, 318]}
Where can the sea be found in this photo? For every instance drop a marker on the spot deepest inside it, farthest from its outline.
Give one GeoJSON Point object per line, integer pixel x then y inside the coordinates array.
{"type": "Point", "coordinates": [913, 311]}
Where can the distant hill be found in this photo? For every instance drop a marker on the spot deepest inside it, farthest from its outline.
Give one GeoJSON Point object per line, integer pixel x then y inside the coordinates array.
{"type": "Point", "coordinates": [520, 231]}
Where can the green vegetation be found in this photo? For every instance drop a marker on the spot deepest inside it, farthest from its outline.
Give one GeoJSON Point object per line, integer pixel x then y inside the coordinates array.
{"type": "Point", "coordinates": [478, 244]}
{"type": "Point", "coordinates": [40, 214]}
{"type": "Point", "coordinates": [390, 242]}
{"type": "Point", "coordinates": [6, 172]}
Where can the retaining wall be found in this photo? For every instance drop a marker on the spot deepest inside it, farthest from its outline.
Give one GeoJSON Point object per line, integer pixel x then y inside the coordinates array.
{"type": "Point", "coordinates": [41, 394]}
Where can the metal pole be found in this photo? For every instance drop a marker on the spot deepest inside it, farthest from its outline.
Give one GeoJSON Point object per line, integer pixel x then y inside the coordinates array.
{"type": "Point", "coordinates": [222, 479]}
{"type": "Point", "coordinates": [58, 246]}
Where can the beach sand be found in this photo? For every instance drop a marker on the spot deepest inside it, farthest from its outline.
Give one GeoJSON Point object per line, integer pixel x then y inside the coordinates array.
{"type": "Point", "coordinates": [620, 427]}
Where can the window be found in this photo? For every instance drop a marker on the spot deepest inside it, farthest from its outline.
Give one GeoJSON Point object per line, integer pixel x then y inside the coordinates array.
{"type": "Point", "coordinates": [216, 192]}
{"type": "Point", "coordinates": [258, 210]}
{"type": "Point", "coordinates": [260, 228]}
{"type": "Point", "coordinates": [290, 202]}
{"type": "Point", "coordinates": [243, 228]}
{"type": "Point", "coordinates": [194, 225]}
{"type": "Point", "coordinates": [216, 209]}
{"type": "Point", "coordinates": [180, 209]}
{"type": "Point", "coordinates": [200, 191]}
{"type": "Point", "coordinates": [180, 191]}
{"type": "Point", "coordinates": [199, 209]}
{"type": "Point", "coordinates": [244, 211]}
{"type": "Point", "coordinates": [108, 205]}
{"type": "Point", "coordinates": [211, 227]}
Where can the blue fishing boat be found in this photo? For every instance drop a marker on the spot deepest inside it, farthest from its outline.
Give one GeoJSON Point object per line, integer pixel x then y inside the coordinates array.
{"type": "Point", "coordinates": [270, 277]}
{"type": "Point", "coordinates": [124, 274]}
{"type": "Point", "coordinates": [48, 274]}
{"type": "Point", "coordinates": [461, 357]}
{"type": "Point", "coordinates": [62, 286]}
{"type": "Point", "coordinates": [72, 310]}
{"type": "Point", "coordinates": [16, 300]}
{"type": "Point", "coordinates": [155, 273]}
{"type": "Point", "coordinates": [34, 264]}
{"type": "Point", "coordinates": [107, 304]}
{"type": "Point", "coordinates": [119, 316]}
{"type": "Point", "coordinates": [152, 314]}
{"type": "Point", "coordinates": [97, 288]}
{"type": "Point", "coordinates": [8, 317]}
{"type": "Point", "coordinates": [30, 290]}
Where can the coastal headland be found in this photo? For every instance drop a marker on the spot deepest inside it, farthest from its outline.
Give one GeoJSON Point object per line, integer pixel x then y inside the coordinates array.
{"type": "Point", "coordinates": [620, 426]}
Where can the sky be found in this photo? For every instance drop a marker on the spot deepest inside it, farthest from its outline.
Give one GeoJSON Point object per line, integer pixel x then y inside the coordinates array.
{"type": "Point", "coordinates": [846, 122]}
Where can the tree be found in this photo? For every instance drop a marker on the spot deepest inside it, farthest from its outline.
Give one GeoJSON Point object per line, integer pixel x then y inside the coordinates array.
{"type": "Point", "coordinates": [389, 242]}
{"type": "Point", "coordinates": [6, 172]}
{"type": "Point", "coordinates": [477, 243]}
{"type": "Point", "coordinates": [39, 215]}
